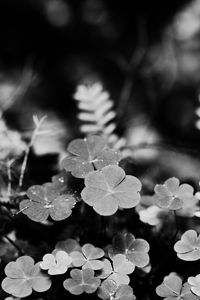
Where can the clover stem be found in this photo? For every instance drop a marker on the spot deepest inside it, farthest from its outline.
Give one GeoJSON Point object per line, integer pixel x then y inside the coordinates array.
{"type": "Point", "coordinates": [177, 228]}
{"type": "Point", "coordinates": [20, 251]}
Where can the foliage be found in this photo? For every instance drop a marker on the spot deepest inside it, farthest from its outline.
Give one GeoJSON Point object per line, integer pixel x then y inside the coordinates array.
{"type": "Point", "coordinates": [96, 112]}
{"type": "Point", "coordinates": [45, 201]}
{"type": "Point", "coordinates": [171, 195]}
{"type": "Point", "coordinates": [135, 250]}
{"type": "Point", "coordinates": [188, 248]}
{"type": "Point", "coordinates": [110, 290]}
{"type": "Point", "coordinates": [106, 269]}
{"type": "Point", "coordinates": [109, 189]}
{"type": "Point", "coordinates": [88, 155]}
{"type": "Point", "coordinates": [23, 276]}
{"type": "Point", "coordinates": [81, 281]}
{"type": "Point", "coordinates": [56, 264]}
{"type": "Point", "coordinates": [172, 288]}
{"type": "Point", "coordinates": [118, 270]}
{"type": "Point", "coordinates": [194, 282]}
{"type": "Point", "coordinates": [88, 258]}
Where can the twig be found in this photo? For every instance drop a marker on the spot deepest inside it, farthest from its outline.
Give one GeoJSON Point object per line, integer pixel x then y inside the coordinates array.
{"type": "Point", "coordinates": [38, 124]}
{"type": "Point", "coordinates": [20, 251]}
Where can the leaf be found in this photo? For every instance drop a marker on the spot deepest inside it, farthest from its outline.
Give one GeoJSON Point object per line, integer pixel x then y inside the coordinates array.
{"type": "Point", "coordinates": [194, 282]}
{"type": "Point", "coordinates": [172, 288]}
{"type": "Point", "coordinates": [82, 281]}
{"type": "Point", "coordinates": [135, 250]}
{"type": "Point", "coordinates": [121, 267]}
{"type": "Point", "coordinates": [60, 181]}
{"type": "Point", "coordinates": [110, 290]}
{"type": "Point", "coordinates": [109, 189]}
{"type": "Point", "coordinates": [57, 264]}
{"type": "Point", "coordinates": [124, 292]}
{"type": "Point", "coordinates": [89, 154]}
{"type": "Point", "coordinates": [88, 258]}
{"type": "Point", "coordinates": [23, 276]}
{"type": "Point", "coordinates": [107, 289]}
{"type": "Point", "coordinates": [151, 215]}
{"type": "Point", "coordinates": [106, 270]}
{"type": "Point", "coordinates": [188, 248]}
{"type": "Point", "coordinates": [173, 196]}
{"type": "Point", "coordinates": [68, 246]}
{"type": "Point", "coordinates": [45, 201]}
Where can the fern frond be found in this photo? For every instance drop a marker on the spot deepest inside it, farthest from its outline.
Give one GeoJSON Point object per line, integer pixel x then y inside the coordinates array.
{"type": "Point", "coordinates": [96, 113]}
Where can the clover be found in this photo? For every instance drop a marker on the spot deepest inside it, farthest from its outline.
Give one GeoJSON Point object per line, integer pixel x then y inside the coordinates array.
{"type": "Point", "coordinates": [173, 289]}
{"type": "Point", "coordinates": [23, 276]}
{"type": "Point", "coordinates": [56, 264]}
{"type": "Point", "coordinates": [82, 281]}
{"type": "Point", "coordinates": [89, 154]}
{"type": "Point", "coordinates": [88, 258]}
{"type": "Point", "coordinates": [194, 283]}
{"type": "Point", "coordinates": [188, 248]}
{"type": "Point", "coordinates": [117, 271]}
{"type": "Point", "coordinates": [45, 201]}
{"type": "Point", "coordinates": [69, 245]}
{"type": "Point", "coordinates": [109, 189]}
{"type": "Point", "coordinates": [60, 181]}
{"type": "Point", "coordinates": [135, 250]}
{"type": "Point", "coordinates": [110, 290]}
{"type": "Point", "coordinates": [172, 195]}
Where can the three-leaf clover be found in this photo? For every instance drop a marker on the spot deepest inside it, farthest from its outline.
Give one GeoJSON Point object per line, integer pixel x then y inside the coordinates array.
{"type": "Point", "coordinates": [188, 248]}
{"type": "Point", "coordinates": [110, 188]}
{"type": "Point", "coordinates": [194, 282]}
{"type": "Point", "coordinates": [82, 281]}
{"type": "Point", "coordinates": [135, 250]}
{"type": "Point", "coordinates": [56, 264]}
{"type": "Point", "coordinates": [44, 201]}
{"type": "Point", "coordinates": [110, 290]}
{"type": "Point", "coordinates": [173, 289]}
{"type": "Point", "coordinates": [118, 270]}
{"type": "Point", "coordinates": [89, 258]}
{"type": "Point", "coordinates": [23, 276]}
{"type": "Point", "coordinates": [172, 195]}
{"type": "Point", "coordinates": [88, 155]}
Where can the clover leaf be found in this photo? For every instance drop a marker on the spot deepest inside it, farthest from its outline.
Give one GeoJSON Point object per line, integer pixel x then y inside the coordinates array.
{"type": "Point", "coordinates": [82, 281]}
{"type": "Point", "coordinates": [188, 248]}
{"type": "Point", "coordinates": [88, 155]}
{"type": "Point", "coordinates": [110, 188]}
{"type": "Point", "coordinates": [23, 276]}
{"type": "Point", "coordinates": [44, 201]}
{"type": "Point", "coordinates": [68, 246]}
{"type": "Point", "coordinates": [172, 195]}
{"type": "Point", "coordinates": [194, 282]}
{"type": "Point", "coordinates": [60, 180]}
{"type": "Point", "coordinates": [172, 289]}
{"type": "Point", "coordinates": [88, 258]}
{"type": "Point", "coordinates": [110, 290]}
{"type": "Point", "coordinates": [135, 250]}
{"type": "Point", "coordinates": [57, 264]}
{"type": "Point", "coordinates": [118, 270]}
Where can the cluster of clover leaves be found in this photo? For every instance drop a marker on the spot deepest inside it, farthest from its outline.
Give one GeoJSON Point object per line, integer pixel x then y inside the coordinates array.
{"type": "Point", "coordinates": [91, 269]}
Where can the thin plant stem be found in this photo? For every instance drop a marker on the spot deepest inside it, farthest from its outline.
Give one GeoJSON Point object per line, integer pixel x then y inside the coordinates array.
{"type": "Point", "coordinates": [20, 251]}
{"type": "Point", "coordinates": [27, 151]}
{"type": "Point", "coordinates": [177, 228]}
{"type": "Point", "coordinates": [9, 175]}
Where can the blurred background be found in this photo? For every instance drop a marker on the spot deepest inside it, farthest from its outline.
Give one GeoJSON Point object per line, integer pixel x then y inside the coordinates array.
{"type": "Point", "coordinates": [146, 54]}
